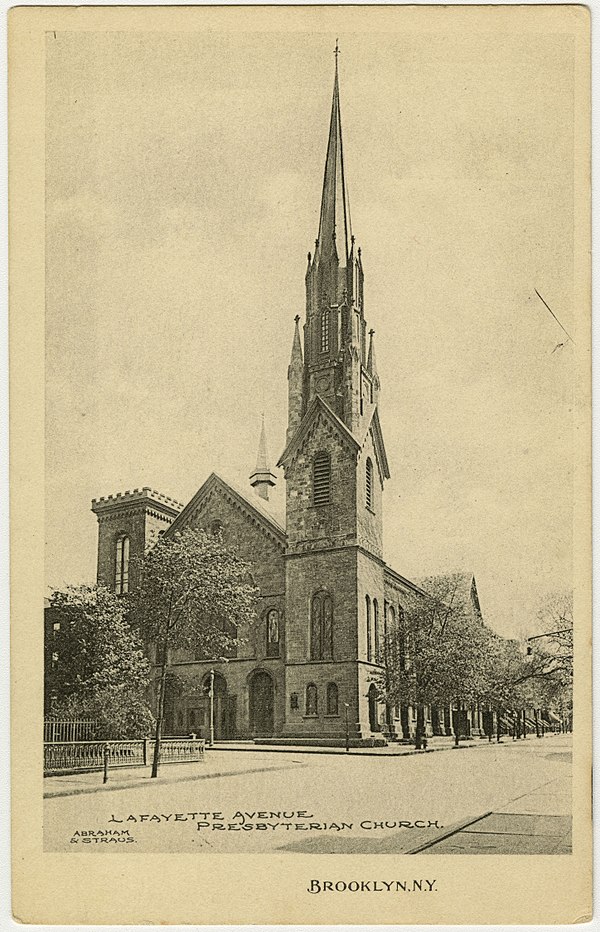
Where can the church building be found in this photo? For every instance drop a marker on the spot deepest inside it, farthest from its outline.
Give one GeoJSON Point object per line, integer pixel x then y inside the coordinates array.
{"type": "Point", "coordinates": [327, 596]}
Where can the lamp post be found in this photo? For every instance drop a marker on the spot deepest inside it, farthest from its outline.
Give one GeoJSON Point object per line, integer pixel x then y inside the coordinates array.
{"type": "Point", "coordinates": [211, 697]}
{"type": "Point", "coordinates": [346, 707]}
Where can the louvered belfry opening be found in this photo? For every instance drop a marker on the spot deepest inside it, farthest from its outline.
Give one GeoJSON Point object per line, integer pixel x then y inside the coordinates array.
{"type": "Point", "coordinates": [321, 479]}
{"type": "Point", "coordinates": [369, 484]}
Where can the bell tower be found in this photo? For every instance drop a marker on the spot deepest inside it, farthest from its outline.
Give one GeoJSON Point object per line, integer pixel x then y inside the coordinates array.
{"type": "Point", "coordinates": [335, 466]}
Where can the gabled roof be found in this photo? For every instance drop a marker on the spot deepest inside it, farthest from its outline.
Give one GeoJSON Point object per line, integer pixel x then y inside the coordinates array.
{"type": "Point", "coordinates": [380, 454]}
{"type": "Point", "coordinates": [317, 406]}
{"type": "Point", "coordinates": [249, 502]}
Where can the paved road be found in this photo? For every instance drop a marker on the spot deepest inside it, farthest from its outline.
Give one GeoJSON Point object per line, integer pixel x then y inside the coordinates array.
{"type": "Point", "coordinates": [322, 803]}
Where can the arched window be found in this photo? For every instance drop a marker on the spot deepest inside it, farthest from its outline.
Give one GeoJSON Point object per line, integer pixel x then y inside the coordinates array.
{"type": "Point", "coordinates": [369, 642]}
{"type": "Point", "coordinates": [272, 633]}
{"type": "Point", "coordinates": [389, 619]}
{"type": "Point", "coordinates": [122, 565]}
{"type": "Point", "coordinates": [369, 483]}
{"type": "Point", "coordinates": [325, 331]}
{"type": "Point", "coordinates": [332, 699]}
{"type": "Point", "coordinates": [376, 630]}
{"type": "Point", "coordinates": [321, 478]}
{"type": "Point", "coordinates": [321, 627]}
{"type": "Point", "coordinates": [402, 647]}
{"type": "Point", "coordinates": [311, 700]}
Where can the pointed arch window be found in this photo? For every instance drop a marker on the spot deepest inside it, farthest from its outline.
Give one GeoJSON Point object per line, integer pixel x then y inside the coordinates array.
{"type": "Point", "coordinates": [325, 331]}
{"type": "Point", "coordinates": [273, 633]}
{"type": "Point", "coordinates": [321, 627]}
{"type": "Point", "coordinates": [390, 646]}
{"type": "Point", "coordinates": [376, 630]}
{"type": "Point", "coordinates": [369, 483]}
{"type": "Point", "coordinates": [402, 646]}
{"type": "Point", "coordinates": [332, 699]}
{"type": "Point", "coordinates": [122, 565]}
{"type": "Point", "coordinates": [321, 479]}
{"type": "Point", "coordinates": [369, 641]}
{"type": "Point", "coordinates": [311, 707]}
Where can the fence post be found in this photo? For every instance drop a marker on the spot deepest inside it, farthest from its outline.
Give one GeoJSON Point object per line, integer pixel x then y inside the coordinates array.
{"type": "Point", "coordinates": [146, 752]}
{"type": "Point", "coordinates": [106, 756]}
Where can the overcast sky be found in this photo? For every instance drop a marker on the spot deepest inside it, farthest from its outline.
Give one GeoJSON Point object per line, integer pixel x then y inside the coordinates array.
{"type": "Point", "coordinates": [183, 185]}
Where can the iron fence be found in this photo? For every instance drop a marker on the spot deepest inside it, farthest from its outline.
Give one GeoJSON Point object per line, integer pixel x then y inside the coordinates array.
{"type": "Point", "coordinates": [63, 757]}
{"type": "Point", "coordinates": [70, 729]}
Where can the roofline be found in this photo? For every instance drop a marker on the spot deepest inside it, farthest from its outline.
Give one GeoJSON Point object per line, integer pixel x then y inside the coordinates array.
{"type": "Point", "coordinates": [271, 522]}
{"type": "Point", "coordinates": [316, 402]}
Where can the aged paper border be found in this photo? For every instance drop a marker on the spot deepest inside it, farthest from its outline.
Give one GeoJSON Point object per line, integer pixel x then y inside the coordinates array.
{"type": "Point", "coordinates": [51, 888]}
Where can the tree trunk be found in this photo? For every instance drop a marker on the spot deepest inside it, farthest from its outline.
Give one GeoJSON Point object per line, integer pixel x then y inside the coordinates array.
{"type": "Point", "coordinates": [457, 724]}
{"type": "Point", "coordinates": [420, 732]}
{"type": "Point", "coordinates": [160, 711]}
{"type": "Point", "coordinates": [498, 725]}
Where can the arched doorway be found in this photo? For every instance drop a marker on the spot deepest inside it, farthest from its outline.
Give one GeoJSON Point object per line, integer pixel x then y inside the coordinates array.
{"type": "Point", "coordinates": [262, 704]}
{"type": "Point", "coordinates": [373, 713]}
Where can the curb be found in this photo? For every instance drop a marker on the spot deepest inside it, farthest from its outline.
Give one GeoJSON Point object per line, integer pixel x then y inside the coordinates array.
{"type": "Point", "coordinates": [448, 832]}
{"type": "Point", "coordinates": [342, 753]}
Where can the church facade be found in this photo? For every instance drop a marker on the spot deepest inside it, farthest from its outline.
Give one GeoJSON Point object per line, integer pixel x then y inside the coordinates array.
{"type": "Point", "coordinates": [307, 670]}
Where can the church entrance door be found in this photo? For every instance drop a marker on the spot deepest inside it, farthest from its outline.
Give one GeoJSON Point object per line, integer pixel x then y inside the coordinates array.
{"type": "Point", "coordinates": [262, 705]}
{"type": "Point", "coordinates": [373, 716]}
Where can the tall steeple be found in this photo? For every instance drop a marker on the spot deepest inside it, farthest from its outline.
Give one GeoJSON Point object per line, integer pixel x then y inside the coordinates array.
{"type": "Point", "coordinates": [262, 478]}
{"type": "Point", "coordinates": [335, 229]}
{"type": "Point", "coordinates": [335, 332]}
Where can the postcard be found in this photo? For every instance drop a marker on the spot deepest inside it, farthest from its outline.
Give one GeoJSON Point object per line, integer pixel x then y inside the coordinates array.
{"type": "Point", "coordinates": [301, 485]}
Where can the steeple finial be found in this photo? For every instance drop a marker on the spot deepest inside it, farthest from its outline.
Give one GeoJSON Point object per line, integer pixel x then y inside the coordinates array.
{"type": "Point", "coordinates": [262, 478]}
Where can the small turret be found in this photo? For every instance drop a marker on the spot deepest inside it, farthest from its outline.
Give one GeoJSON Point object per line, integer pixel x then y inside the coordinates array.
{"type": "Point", "coordinates": [262, 478]}
{"type": "Point", "coordinates": [295, 383]}
{"type": "Point", "coordinates": [371, 361]}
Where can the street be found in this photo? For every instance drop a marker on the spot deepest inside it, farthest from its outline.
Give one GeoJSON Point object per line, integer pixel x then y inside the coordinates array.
{"type": "Point", "coordinates": [259, 800]}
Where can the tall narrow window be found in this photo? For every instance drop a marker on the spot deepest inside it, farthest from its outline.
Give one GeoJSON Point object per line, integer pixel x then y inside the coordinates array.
{"type": "Point", "coordinates": [332, 699]}
{"type": "Point", "coordinates": [369, 483]}
{"type": "Point", "coordinates": [402, 647]}
{"type": "Point", "coordinates": [321, 627]}
{"type": "Point", "coordinates": [325, 332]}
{"type": "Point", "coordinates": [311, 699]}
{"type": "Point", "coordinates": [122, 565]}
{"type": "Point", "coordinates": [376, 630]}
{"type": "Point", "coordinates": [272, 633]}
{"type": "Point", "coordinates": [321, 479]}
{"type": "Point", "coordinates": [369, 643]}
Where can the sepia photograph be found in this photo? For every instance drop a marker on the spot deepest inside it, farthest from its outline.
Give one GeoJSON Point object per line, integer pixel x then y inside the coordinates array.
{"type": "Point", "coordinates": [314, 426]}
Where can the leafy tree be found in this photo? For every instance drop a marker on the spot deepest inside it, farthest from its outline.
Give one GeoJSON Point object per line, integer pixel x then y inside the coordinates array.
{"type": "Point", "coordinates": [541, 676]}
{"type": "Point", "coordinates": [195, 594]}
{"type": "Point", "coordinates": [437, 657]}
{"type": "Point", "coordinates": [99, 671]}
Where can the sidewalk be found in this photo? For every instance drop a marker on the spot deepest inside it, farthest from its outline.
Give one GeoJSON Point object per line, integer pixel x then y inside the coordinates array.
{"type": "Point", "coordinates": [213, 766]}
{"type": "Point", "coordinates": [538, 822]}
{"type": "Point", "coordinates": [130, 777]}
{"type": "Point", "coordinates": [392, 750]}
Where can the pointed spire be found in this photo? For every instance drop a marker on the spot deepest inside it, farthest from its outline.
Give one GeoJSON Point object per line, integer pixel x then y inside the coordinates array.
{"type": "Point", "coordinates": [262, 459]}
{"type": "Point", "coordinates": [262, 477]}
{"type": "Point", "coordinates": [334, 225]}
{"type": "Point", "coordinates": [371, 361]}
{"type": "Point", "coordinates": [296, 357]}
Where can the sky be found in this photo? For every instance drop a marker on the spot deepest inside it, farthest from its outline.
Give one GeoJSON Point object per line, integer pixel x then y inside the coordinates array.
{"type": "Point", "coordinates": [184, 173]}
